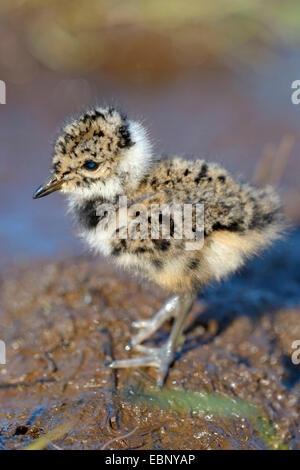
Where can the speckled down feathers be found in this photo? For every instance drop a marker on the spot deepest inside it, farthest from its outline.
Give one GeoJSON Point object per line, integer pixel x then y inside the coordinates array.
{"type": "Point", "coordinates": [239, 220]}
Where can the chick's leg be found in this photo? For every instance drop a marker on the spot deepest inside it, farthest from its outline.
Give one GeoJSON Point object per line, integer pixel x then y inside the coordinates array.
{"type": "Point", "coordinates": [169, 349]}
{"type": "Point", "coordinates": [148, 327]}
{"type": "Point", "coordinates": [164, 356]}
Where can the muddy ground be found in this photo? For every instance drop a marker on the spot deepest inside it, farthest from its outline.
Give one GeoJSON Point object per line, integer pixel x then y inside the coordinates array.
{"type": "Point", "coordinates": [63, 321]}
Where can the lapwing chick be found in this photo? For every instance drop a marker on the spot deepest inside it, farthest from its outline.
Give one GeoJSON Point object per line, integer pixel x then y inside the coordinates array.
{"type": "Point", "coordinates": [105, 165]}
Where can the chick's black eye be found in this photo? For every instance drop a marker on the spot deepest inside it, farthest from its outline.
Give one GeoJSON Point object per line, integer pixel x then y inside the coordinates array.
{"type": "Point", "coordinates": [90, 165]}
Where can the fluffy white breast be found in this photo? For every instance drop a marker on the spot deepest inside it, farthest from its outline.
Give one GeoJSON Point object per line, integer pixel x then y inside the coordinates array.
{"type": "Point", "coordinates": [133, 165]}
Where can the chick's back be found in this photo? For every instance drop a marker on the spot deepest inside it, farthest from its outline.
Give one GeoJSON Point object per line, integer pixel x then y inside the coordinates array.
{"type": "Point", "coordinates": [239, 221]}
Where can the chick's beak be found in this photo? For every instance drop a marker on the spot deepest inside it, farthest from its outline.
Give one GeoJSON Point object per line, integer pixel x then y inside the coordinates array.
{"type": "Point", "coordinates": [53, 184]}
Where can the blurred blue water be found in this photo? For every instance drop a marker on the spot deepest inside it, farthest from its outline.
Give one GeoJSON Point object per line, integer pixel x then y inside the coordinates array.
{"type": "Point", "coordinates": [228, 117]}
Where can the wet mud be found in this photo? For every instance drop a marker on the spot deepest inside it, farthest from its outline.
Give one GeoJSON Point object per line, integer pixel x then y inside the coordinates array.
{"type": "Point", "coordinates": [64, 321]}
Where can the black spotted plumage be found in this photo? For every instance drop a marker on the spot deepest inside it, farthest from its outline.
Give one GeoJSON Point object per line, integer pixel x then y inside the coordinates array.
{"type": "Point", "coordinates": [237, 220]}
